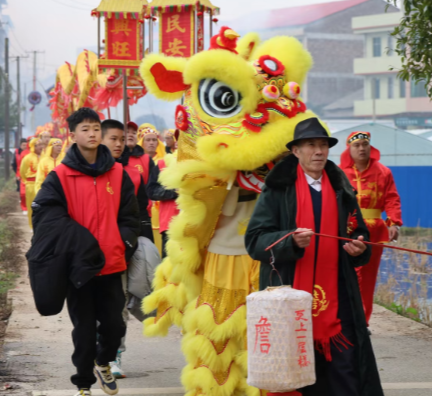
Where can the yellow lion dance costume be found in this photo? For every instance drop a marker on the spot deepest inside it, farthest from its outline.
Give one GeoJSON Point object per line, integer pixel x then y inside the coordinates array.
{"type": "Point", "coordinates": [241, 106]}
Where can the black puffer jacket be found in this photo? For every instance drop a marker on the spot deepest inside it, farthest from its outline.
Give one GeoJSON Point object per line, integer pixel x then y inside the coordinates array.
{"type": "Point", "coordinates": [62, 249]}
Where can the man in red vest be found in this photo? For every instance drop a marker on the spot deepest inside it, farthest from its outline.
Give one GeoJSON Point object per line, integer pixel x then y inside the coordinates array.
{"type": "Point", "coordinates": [376, 193]}
{"type": "Point", "coordinates": [98, 194]}
{"type": "Point", "coordinates": [138, 158]}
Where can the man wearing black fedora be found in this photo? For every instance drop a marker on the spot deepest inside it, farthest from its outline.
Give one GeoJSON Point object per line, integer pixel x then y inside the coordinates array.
{"type": "Point", "coordinates": [309, 194]}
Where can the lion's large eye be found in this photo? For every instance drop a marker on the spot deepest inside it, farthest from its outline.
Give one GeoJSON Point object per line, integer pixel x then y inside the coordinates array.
{"type": "Point", "coordinates": [218, 99]}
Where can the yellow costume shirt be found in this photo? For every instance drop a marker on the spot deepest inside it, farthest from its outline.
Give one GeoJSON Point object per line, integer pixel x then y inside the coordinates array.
{"type": "Point", "coordinates": [28, 171]}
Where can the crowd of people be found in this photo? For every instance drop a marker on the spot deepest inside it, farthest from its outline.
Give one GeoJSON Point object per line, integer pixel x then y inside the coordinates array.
{"type": "Point", "coordinates": [105, 179]}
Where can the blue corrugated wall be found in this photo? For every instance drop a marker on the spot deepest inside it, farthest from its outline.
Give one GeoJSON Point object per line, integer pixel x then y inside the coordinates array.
{"type": "Point", "coordinates": [414, 184]}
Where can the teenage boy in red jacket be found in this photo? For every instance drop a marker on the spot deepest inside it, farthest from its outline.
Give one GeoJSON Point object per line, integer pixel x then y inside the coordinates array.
{"type": "Point", "coordinates": [99, 195]}
{"type": "Point", "coordinates": [113, 137]}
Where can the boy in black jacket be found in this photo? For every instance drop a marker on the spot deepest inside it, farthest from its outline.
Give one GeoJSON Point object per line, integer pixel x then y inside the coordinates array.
{"type": "Point", "coordinates": [113, 136]}
{"type": "Point", "coordinates": [98, 194]}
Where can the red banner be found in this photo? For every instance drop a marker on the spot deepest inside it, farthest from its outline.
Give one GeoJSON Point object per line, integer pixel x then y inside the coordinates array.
{"type": "Point", "coordinates": [200, 32]}
{"type": "Point", "coordinates": [176, 30]}
{"type": "Point", "coordinates": [123, 43]}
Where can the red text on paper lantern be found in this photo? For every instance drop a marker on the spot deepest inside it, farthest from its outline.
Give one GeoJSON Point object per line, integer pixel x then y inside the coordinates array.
{"type": "Point", "coordinates": [301, 339]}
{"type": "Point", "coordinates": [262, 334]}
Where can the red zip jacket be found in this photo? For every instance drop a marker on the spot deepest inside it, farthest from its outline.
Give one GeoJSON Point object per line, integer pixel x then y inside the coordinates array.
{"type": "Point", "coordinates": [140, 193]}
{"type": "Point", "coordinates": [17, 162]}
{"type": "Point", "coordinates": [103, 201]}
{"type": "Point", "coordinates": [94, 203]}
{"type": "Point", "coordinates": [142, 162]}
{"type": "Point", "coordinates": [135, 177]}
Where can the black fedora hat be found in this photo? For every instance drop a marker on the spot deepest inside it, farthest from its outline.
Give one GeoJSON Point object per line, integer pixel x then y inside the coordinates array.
{"type": "Point", "coordinates": [311, 129]}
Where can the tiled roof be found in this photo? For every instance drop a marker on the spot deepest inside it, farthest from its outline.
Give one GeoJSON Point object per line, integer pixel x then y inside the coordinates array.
{"type": "Point", "coordinates": [164, 3]}
{"type": "Point", "coordinates": [302, 15]}
{"type": "Point", "coordinates": [122, 5]}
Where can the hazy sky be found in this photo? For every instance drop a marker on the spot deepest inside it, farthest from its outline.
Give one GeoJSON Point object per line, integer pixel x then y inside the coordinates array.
{"type": "Point", "coordinates": [62, 27]}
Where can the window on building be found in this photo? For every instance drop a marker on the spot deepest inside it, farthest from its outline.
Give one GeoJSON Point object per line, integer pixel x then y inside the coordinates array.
{"type": "Point", "coordinates": [402, 88]}
{"type": "Point", "coordinates": [390, 88]}
{"type": "Point", "coordinates": [376, 88]}
{"type": "Point", "coordinates": [390, 47]}
{"type": "Point", "coordinates": [376, 47]}
{"type": "Point", "coordinates": [418, 89]}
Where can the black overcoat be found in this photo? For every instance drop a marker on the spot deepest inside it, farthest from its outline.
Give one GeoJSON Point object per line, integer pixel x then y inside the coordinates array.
{"type": "Point", "coordinates": [275, 216]}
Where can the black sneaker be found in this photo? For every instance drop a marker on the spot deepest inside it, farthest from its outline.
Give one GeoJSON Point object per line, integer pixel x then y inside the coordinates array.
{"type": "Point", "coordinates": [105, 379]}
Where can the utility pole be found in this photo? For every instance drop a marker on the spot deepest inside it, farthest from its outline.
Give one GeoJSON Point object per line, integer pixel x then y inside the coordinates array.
{"type": "Point", "coordinates": [18, 135]}
{"type": "Point", "coordinates": [374, 82]}
{"type": "Point", "coordinates": [33, 121]}
{"type": "Point", "coordinates": [25, 107]}
{"type": "Point", "coordinates": [6, 126]}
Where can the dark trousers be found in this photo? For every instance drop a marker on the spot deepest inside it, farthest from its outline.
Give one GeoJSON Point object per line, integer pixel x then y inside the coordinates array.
{"type": "Point", "coordinates": [164, 242]}
{"type": "Point", "coordinates": [101, 300]}
{"type": "Point", "coordinates": [338, 377]}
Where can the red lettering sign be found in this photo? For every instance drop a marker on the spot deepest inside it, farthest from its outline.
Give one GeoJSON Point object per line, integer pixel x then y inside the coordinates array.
{"type": "Point", "coordinates": [176, 30]}
{"type": "Point", "coordinates": [200, 33]}
{"type": "Point", "coordinates": [123, 44]}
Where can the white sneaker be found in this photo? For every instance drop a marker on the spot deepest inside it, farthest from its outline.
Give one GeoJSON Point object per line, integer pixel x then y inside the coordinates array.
{"type": "Point", "coordinates": [116, 369]}
{"type": "Point", "coordinates": [83, 392]}
{"type": "Point", "coordinates": [105, 379]}
{"type": "Point", "coordinates": [25, 212]}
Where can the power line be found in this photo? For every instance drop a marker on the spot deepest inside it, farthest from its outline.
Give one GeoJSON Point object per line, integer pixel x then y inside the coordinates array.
{"type": "Point", "coordinates": [17, 50]}
{"type": "Point", "coordinates": [13, 34]}
{"type": "Point", "coordinates": [78, 2]}
{"type": "Point", "coordinates": [71, 6]}
{"type": "Point", "coordinates": [46, 64]}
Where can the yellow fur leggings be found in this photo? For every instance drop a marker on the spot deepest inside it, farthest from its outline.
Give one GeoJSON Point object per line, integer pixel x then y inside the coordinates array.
{"type": "Point", "coordinates": [215, 328]}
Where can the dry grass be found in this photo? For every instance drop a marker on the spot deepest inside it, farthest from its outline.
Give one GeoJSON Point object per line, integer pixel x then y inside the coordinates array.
{"type": "Point", "coordinates": [406, 289]}
{"type": "Point", "coordinates": [9, 249]}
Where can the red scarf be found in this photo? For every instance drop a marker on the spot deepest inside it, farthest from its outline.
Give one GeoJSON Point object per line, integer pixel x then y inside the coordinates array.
{"type": "Point", "coordinates": [324, 275]}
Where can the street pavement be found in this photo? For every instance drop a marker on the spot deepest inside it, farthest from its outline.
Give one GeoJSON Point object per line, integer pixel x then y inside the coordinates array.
{"type": "Point", "coordinates": [37, 351]}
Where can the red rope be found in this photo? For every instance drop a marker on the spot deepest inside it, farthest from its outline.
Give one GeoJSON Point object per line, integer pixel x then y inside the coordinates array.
{"type": "Point", "coordinates": [351, 240]}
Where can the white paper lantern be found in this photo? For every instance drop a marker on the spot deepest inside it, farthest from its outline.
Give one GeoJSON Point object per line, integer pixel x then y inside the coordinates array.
{"type": "Point", "coordinates": [280, 339]}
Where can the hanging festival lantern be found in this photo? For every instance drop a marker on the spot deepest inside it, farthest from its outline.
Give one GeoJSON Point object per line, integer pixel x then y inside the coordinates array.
{"type": "Point", "coordinates": [280, 339]}
{"type": "Point", "coordinates": [34, 99]}
{"type": "Point", "coordinates": [181, 25]}
{"type": "Point", "coordinates": [124, 34]}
